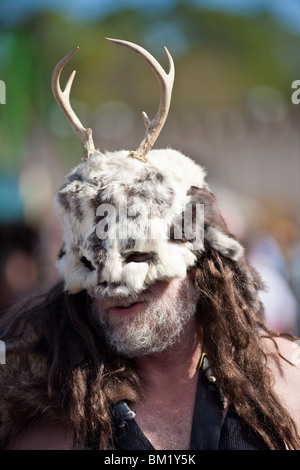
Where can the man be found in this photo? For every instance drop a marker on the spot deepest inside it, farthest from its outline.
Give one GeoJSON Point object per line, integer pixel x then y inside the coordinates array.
{"type": "Point", "coordinates": [154, 338]}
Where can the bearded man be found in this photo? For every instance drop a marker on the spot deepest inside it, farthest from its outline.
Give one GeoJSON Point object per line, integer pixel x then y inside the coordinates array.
{"type": "Point", "coordinates": [154, 338]}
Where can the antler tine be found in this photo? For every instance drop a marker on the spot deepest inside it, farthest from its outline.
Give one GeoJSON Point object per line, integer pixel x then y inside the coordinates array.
{"type": "Point", "coordinates": [63, 100]}
{"type": "Point", "coordinates": [166, 80]}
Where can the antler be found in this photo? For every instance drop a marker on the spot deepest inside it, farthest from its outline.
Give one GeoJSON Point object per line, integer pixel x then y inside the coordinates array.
{"type": "Point", "coordinates": [166, 81]}
{"type": "Point", "coordinates": [63, 100]}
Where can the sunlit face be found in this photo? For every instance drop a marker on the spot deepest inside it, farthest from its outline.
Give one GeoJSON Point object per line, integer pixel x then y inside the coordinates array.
{"type": "Point", "coordinates": [151, 322]}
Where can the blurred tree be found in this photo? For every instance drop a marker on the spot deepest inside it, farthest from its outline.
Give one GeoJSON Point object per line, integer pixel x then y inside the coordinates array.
{"type": "Point", "coordinates": [219, 57]}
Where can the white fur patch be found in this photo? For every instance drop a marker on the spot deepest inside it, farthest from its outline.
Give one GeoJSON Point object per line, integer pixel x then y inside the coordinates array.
{"type": "Point", "coordinates": [228, 246]}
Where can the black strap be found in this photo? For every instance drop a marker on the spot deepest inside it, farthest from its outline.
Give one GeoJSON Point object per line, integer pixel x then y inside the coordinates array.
{"type": "Point", "coordinates": [127, 434]}
{"type": "Point", "coordinates": [208, 412]}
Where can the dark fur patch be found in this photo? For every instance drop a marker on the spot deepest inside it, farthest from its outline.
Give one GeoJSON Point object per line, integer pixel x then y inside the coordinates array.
{"type": "Point", "coordinates": [100, 199]}
{"type": "Point", "coordinates": [63, 199]}
{"type": "Point", "coordinates": [70, 200]}
{"type": "Point", "coordinates": [143, 189]}
{"type": "Point", "coordinates": [76, 205]}
{"type": "Point", "coordinates": [87, 263]}
{"type": "Point", "coordinates": [128, 244]}
{"type": "Point", "coordinates": [75, 248]}
{"type": "Point", "coordinates": [212, 214]}
{"type": "Point", "coordinates": [95, 243]}
{"type": "Point", "coordinates": [77, 176]}
{"type": "Point", "coordinates": [61, 252]}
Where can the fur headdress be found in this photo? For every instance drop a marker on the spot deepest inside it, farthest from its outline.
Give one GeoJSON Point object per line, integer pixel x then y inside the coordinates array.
{"type": "Point", "coordinates": [132, 218]}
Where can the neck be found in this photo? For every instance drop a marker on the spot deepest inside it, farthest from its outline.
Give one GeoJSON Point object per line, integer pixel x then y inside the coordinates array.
{"type": "Point", "coordinates": [178, 364]}
{"type": "Point", "coordinates": [165, 411]}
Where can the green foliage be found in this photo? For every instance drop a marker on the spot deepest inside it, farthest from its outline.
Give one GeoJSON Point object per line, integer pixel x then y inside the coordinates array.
{"type": "Point", "coordinates": [222, 58]}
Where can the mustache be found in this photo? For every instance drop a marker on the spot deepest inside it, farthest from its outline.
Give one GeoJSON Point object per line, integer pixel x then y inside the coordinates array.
{"type": "Point", "coordinates": [122, 301]}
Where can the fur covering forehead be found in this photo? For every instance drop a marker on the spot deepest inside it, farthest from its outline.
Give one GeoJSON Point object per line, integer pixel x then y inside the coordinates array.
{"type": "Point", "coordinates": [114, 208]}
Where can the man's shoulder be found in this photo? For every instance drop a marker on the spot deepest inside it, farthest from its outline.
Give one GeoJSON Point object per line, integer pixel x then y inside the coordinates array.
{"type": "Point", "coordinates": [283, 354]}
{"type": "Point", "coordinates": [283, 361]}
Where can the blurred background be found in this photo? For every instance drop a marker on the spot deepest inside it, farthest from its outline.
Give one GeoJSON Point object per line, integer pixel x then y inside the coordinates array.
{"type": "Point", "coordinates": [231, 111]}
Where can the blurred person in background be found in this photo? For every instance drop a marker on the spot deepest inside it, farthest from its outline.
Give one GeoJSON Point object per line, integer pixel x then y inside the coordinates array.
{"type": "Point", "coordinates": [280, 302]}
{"type": "Point", "coordinates": [271, 243]}
{"type": "Point", "coordinates": [19, 245]}
{"type": "Point", "coordinates": [18, 267]}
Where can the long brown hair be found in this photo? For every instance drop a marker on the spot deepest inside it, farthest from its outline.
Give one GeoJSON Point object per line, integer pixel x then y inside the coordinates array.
{"type": "Point", "coordinates": [232, 320]}
{"type": "Point", "coordinates": [84, 377]}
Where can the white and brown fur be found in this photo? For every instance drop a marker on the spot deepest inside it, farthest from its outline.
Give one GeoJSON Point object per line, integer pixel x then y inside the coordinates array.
{"type": "Point", "coordinates": [163, 186]}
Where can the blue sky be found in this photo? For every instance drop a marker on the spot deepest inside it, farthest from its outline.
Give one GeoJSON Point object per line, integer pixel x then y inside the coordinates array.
{"type": "Point", "coordinates": [287, 11]}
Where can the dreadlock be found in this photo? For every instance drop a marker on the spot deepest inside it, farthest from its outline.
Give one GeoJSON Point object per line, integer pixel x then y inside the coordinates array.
{"type": "Point", "coordinates": [82, 377]}
{"type": "Point", "coordinates": [232, 332]}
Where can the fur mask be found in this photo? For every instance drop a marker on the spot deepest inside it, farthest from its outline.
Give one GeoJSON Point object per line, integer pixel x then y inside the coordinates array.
{"type": "Point", "coordinates": [129, 221]}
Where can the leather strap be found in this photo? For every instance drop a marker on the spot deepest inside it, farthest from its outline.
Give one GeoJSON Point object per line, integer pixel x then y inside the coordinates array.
{"type": "Point", "coordinates": [127, 434]}
{"type": "Point", "coordinates": [208, 413]}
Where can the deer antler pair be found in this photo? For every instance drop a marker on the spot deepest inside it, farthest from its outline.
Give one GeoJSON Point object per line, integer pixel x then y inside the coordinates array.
{"type": "Point", "coordinates": [153, 127]}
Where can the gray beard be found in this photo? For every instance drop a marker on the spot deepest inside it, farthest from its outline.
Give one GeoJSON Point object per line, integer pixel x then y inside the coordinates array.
{"type": "Point", "coordinates": [160, 326]}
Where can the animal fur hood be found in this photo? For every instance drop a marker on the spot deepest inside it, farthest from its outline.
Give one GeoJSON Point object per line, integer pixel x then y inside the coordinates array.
{"type": "Point", "coordinates": [112, 206]}
{"type": "Point", "coordinates": [117, 205]}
